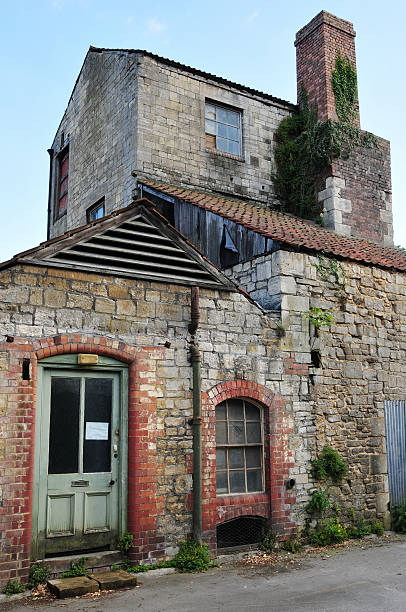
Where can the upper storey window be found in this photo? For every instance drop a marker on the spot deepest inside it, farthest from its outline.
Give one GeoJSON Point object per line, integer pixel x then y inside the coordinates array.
{"type": "Point", "coordinates": [63, 176]}
{"type": "Point", "coordinates": [223, 129]}
{"type": "Point", "coordinates": [96, 211]}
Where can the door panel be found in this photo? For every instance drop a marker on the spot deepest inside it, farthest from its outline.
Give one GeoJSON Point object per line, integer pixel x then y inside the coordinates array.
{"type": "Point", "coordinates": [61, 515]}
{"type": "Point", "coordinates": [97, 512]}
{"type": "Point", "coordinates": [79, 464]}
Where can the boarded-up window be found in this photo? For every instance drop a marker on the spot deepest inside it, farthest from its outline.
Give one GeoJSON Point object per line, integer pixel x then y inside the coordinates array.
{"type": "Point", "coordinates": [223, 129]}
{"type": "Point", "coordinates": [63, 177]}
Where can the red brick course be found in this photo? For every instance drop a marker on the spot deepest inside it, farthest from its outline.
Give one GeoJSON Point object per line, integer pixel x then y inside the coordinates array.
{"type": "Point", "coordinates": [16, 477]}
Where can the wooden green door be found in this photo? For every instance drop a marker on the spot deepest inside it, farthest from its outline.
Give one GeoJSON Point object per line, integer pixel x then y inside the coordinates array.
{"type": "Point", "coordinates": [79, 479]}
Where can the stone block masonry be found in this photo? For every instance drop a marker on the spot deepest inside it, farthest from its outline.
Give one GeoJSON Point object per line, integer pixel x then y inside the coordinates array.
{"type": "Point", "coordinates": [171, 143]}
{"type": "Point", "coordinates": [131, 114]}
{"type": "Point", "coordinates": [341, 400]}
{"type": "Point", "coordinates": [47, 312]}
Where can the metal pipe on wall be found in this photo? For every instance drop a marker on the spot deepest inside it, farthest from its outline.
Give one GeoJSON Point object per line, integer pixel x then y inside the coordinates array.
{"type": "Point", "coordinates": [197, 418]}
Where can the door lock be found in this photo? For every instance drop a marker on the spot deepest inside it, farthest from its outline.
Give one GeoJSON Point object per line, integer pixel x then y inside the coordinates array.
{"type": "Point", "coordinates": [111, 482]}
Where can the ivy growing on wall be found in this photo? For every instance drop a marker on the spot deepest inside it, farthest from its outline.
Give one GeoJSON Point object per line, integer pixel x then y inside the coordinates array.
{"type": "Point", "coordinates": [306, 146]}
{"type": "Point", "coordinates": [344, 84]}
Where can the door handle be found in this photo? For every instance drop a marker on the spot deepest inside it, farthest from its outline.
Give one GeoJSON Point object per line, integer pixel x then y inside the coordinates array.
{"type": "Point", "coordinates": [111, 482]}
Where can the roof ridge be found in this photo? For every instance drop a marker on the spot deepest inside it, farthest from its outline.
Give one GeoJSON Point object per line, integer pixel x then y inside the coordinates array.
{"type": "Point", "coordinates": [197, 72]}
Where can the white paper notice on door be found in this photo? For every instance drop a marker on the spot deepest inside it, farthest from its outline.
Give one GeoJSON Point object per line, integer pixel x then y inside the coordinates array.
{"type": "Point", "coordinates": [97, 431]}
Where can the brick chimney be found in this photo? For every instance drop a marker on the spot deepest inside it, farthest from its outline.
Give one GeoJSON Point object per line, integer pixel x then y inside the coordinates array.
{"type": "Point", "coordinates": [355, 193]}
{"type": "Point", "coordinates": [317, 46]}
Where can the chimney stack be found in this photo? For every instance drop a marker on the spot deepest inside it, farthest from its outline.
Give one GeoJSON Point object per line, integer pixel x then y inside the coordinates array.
{"type": "Point", "coordinates": [355, 191]}
{"type": "Point", "coordinates": [317, 46]}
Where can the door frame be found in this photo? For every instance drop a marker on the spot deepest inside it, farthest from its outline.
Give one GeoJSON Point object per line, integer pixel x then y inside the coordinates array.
{"type": "Point", "coordinates": [70, 361]}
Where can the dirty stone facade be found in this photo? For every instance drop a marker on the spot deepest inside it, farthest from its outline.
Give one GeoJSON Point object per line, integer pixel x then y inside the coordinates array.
{"type": "Point", "coordinates": [136, 120]}
{"type": "Point", "coordinates": [341, 402]}
{"type": "Point", "coordinates": [133, 114]}
{"type": "Point", "coordinates": [58, 311]}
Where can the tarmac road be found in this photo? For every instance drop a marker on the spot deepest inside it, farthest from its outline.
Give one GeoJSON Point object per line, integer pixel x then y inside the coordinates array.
{"type": "Point", "coordinates": [362, 580]}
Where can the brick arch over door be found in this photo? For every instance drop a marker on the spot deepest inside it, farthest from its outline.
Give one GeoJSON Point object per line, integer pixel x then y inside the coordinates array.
{"type": "Point", "coordinates": [274, 503]}
{"type": "Point", "coordinates": [144, 506]}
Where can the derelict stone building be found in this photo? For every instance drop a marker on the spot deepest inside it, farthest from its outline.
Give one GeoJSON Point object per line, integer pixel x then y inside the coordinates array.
{"type": "Point", "coordinates": [160, 190]}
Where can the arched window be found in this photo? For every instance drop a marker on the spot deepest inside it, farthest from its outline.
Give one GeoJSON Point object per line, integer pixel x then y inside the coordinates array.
{"type": "Point", "coordinates": [239, 447]}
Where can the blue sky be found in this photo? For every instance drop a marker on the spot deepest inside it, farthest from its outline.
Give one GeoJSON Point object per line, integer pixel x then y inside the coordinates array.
{"type": "Point", "coordinates": [43, 44]}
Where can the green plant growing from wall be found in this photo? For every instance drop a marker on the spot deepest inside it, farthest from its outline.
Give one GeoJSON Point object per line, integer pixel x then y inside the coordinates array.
{"type": "Point", "coordinates": [38, 575]}
{"type": "Point", "coordinates": [398, 514]}
{"type": "Point", "coordinates": [306, 147]}
{"type": "Point", "coordinates": [125, 543]}
{"type": "Point", "coordinates": [344, 84]}
{"type": "Point", "coordinates": [319, 502]}
{"type": "Point", "coordinates": [268, 541]}
{"type": "Point", "coordinates": [292, 545]}
{"type": "Point", "coordinates": [332, 533]}
{"type": "Point", "coordinates": [192, 557]}
{"type": "Point", "coordinates": [332, 271]}
{"type": "Point", "coordinates": [329, 466]}
{"type": "Point", "coordinates": [77, 568]}
{"type": "Point", "coordinates": [13, 587]}
{"type": "Point", "coordinates": [319, 317]}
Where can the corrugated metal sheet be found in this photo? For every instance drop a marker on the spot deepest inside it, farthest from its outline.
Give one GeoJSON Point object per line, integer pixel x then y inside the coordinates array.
{"type": "Point", "coordinates": [395, 420]}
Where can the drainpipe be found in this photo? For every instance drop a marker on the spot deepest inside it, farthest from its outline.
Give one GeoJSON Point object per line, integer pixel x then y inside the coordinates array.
{"type": "Point", "coordinates": [197, 418]}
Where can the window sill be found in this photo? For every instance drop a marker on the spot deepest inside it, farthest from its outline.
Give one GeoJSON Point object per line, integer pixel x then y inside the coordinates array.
{"type": "Point", "coordinates": [224, 154]}
{"type": "Point", "coordinates": [225, 499]}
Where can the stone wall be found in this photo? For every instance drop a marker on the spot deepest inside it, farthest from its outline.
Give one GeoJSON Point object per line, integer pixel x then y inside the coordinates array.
{"type": "Point", "coordinates": [245, 353]}
{"type": "Point", "coordinates": [100, 125]}
{"type": "Point", "coordinates": [357, 198]}
{"type": "Point", "coordinates": [45, 312]}
{"type": "Point", "coordinates": [171, 142]}
{"type": "Point", "coordinates": [130, 113]}
{"type": "Point", "coordinates": [341, 403]}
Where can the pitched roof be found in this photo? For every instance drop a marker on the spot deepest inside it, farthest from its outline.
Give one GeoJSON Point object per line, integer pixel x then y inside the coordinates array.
{"type": "Point", "coordinates": [197, 72]}
{"type": "Point", "coordinates": [288, 229]}
{"type": "Point", "coordinates": [135, 242]}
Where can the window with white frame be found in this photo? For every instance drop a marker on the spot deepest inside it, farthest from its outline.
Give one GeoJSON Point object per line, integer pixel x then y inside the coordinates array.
{"type": "Point", "coordinates": [96, 211]}
{"type": "Point", "coordinates": [239, 447]}
{"type": "Point", "coordinates": [223, 129]}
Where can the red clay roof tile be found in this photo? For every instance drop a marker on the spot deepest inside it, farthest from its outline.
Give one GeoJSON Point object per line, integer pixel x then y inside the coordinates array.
{"type": "Point", "coordinates": [288, 229]}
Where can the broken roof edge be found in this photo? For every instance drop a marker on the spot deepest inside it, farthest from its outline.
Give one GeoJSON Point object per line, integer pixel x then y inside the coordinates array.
{"type": "Point", "coordinates": [197, 72]}
{"type": "Point", "coordinates": [334, 245]}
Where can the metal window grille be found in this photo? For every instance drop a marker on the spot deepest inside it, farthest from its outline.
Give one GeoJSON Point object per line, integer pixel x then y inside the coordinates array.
{"type": "Point", "coordinates": [241, 531]}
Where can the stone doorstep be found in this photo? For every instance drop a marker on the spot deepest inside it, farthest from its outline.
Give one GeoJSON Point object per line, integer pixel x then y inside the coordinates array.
{"type": "Point", "coordinates": [103, 560]}
{"type": "Point", "coordinates": [114, 580]}
{"type": "Point", "coordinates": [71, 587]}
{"type": "Point", "coordinates": [80, 585]}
